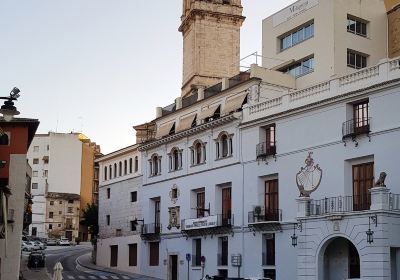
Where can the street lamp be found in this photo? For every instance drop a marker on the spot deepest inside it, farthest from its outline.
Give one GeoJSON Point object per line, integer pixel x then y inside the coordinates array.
{"type": "Point", "coordinates": [8, 109]}
{"type": "Point", "coordinates": [369, 232]}
{"type": "Point", "coordinates": [294, 236]}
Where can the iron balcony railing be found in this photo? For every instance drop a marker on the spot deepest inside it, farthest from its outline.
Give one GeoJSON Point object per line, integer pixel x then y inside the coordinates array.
{"type": "Point", "coordinates": [196, 260]}
{"type": "Point", "coordinates": [394, 201]}
{"type": "Point", "coordinates": [265, 149]}
{"type": "Point", "coordinates": [356, 127]}
{"type": "Point", "coordinates": [340, 204]}
{"type": "Point", "coordinates": [262, 214]}
{"type": "Point", "coordinates": [268, 259]}
{"type": "Point", "coordinates": [222, 259]}
{"type": "Point", "coordinates": [151, 228]}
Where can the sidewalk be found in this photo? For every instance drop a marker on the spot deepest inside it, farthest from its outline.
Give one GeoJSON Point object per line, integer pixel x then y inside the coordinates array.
{"type": "Point", "coordinates": [32, 274]}
{"type": "Point", "coordinates": [86, 261]}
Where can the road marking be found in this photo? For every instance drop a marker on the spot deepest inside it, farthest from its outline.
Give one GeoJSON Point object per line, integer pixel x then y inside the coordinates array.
{"type": "Point", "coordinates": [103, 277]}
{"type": "Point", "coordinates": [70, 277]}
{"type": "Point", "coordinates": [114, 277]}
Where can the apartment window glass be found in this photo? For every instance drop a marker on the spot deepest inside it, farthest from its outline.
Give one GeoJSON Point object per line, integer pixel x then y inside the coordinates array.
{"type": "Point", "coordinates": [108, 193]}
{"type": "Point", "coordinates": [200, 204]}
{"type": "Point", "coordinates": [35, 161]}
{"type": "Point", "coordinates": [363, 181]}
{"type": "Point", "coordinates": [51, 214]}
{"type": "Point", "coordinates": [361, 114]}
{"type": "Point", "coordinates": [110, 172]}
{"type": "Point", "coordinates": [270, 249]}
{"type": "Point", "coordinates": [50, 226]}
{"type": "Point", "coordinates": [108, 220]}
{"type": "Point", "coordinates": [133, 196]}
{"type": "Point", "coordinates": [34, 173]}
{"type": "Point", "coordinates": [105, 173]}
{"type": "Point", "coordinates": [271, 200]}
{"type": "Point", "coordinates": [120, 169]}
{"type": "Point", "coordinates": [59, 225]}
{"type": "Point", "coordinates": [196, 252]}
{"type": "Point", "coordinates": [45, 173]}
{"type": "Point", "coordinates": [133, 225]}
{"type": "Point", "coordinates": [175, 159]}
{"type": "Point", "coordinates": [154, 253]}
{"type": "Point", "coordinates": [356, 60]}
{"type": "Point", "coordinates": [226, 206]}
{"type": "Point", "coordinates": [132, 254]}
{"type": "Point", "coordinates": [222, 251]}
{"type": "Point", "coordinates": [224, 145]}
{"type": "Point", "coordinates": [157, 213]}
{"type": "Point", "coordinates": [357, 26]}
{"type": "Point", "coordinates": [297, 36]}
{"type": "Point", "coordinates": [130, 165]}
{"type": "Point", "coordinates": [300, 68]}
{"type": "Point", "coordinates": [115, 170]}
{"type": "Point", "coordinates": [34, 186]}
{"type": "Point", "coordinates": [51, 202]}
{"type": "Point", "coordinates": [70, 210]}
{"type": "Point", "coordinates": [155, 165]}
{"type": "Point", "coordinates": [136, 164]}
{"type": "Point", "coordinates": [36, 148]}
{"type": "Point", "coordinates": [71, 201]}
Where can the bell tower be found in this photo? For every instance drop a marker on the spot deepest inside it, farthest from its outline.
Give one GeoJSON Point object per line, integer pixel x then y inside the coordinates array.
{"type": "Point", "coordinates": [211, 42]}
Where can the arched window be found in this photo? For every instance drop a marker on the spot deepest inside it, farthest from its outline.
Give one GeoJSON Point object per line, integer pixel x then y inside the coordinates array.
{"type": "Point", "coordinates": [130, 166]}
{"type": "Point", "coordinates": [120, 169]}
{"type": "Point", "coordinates": [105, 173]}
{"type": "Point", "coordinates": [136, 163]}
{"type": "Point", "coordinates": [155, 165]}
{"type": "Point", "coordinates": [224, 145]}
{"type": "Point", "coordinates": [115, 170]}
{"type": "Point", "coordinates": [110, 171]}
{"type": "Point", "coordinates": [175, 159]}
{"type": "Point", "coordinates": [125, 167]}
{"type": "Point", "coordinates": [198, 152]}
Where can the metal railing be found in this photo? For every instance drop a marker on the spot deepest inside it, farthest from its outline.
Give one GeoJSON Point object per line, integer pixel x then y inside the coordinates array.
{"type": "Point", "coordinates": [223, 220]}
{"type": "Point", "coordinates": [265, 149]}
{"type": "Point", "coordinates": [222, 259]}
{"type": "Point", "coordinates": [340, 204]}
{"type": "Point", "coordinates": [262, 214]}
{"type": "Point", "coordinates": [356, 127]}
{"type": "Point", "coordinates": [268, 259]}
{"type": "Point", "coordinates": [196, 260]}
{"type": "Point", "coordinates": [394, 201]}
{"type": "Point", "coordinates": [151, 229]}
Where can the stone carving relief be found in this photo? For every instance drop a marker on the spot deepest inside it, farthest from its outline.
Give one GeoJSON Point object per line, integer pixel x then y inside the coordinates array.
{"type": "Point", "coordinates": [174, 193]}
{"type": "Point", "coordinates": [174, 220]}
{"type": "Point", "coordinates": [309, 177]}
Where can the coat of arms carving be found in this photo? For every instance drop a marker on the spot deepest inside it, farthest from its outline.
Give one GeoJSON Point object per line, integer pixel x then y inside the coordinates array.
{"type": "Point", "coordinates": [174, 217]}
{"type": "Point", "coordinates": [309, 177]}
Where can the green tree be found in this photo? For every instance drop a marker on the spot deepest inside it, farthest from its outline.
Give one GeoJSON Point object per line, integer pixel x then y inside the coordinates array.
{"type": "Point", "coordinates": [91, 219]}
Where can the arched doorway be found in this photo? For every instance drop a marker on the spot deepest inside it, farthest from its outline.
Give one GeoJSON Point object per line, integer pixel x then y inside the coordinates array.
{"type": "Point", "coordinates": [338, 259]}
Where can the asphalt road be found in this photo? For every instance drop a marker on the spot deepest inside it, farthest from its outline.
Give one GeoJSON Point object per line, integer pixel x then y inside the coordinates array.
{"type": "Point", "coordinates": [67, 256]}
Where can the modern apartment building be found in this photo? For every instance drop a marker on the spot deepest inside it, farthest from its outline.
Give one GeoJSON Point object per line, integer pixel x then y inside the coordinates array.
{"type": "Point", "coordinates": [120, 210]}
{"type": "Point", "coordinates": [61, 163]}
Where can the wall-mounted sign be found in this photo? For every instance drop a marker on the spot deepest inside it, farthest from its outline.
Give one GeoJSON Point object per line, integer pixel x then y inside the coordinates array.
{"type": "Point", "coordinates": [236, 260]}
{"type": "Point", "coordinates": [205, 222]}
{"type": "Point", "coordinates": [293, 11]}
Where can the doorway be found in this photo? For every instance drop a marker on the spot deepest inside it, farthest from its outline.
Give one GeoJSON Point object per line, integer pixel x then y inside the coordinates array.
{"type": "Point", "coordinates": [173, 267]}
{"type": "Point", "coordinates": [68, 235]}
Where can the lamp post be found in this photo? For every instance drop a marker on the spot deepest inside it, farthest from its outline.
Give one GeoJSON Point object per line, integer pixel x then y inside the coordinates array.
{"type": "Point", "coordinates": [369, 232]}
{"type": "Point", "coordinates": [8, 109]}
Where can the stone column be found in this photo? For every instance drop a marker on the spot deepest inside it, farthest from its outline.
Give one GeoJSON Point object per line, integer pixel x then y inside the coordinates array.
{"type": "Point", "coordinates": [380, 198]}
{"type": "Point", "coordinates": [303, 207]}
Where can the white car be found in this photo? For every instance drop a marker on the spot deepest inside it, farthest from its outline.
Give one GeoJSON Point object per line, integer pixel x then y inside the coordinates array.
{"type": "Point", "coordinates": [64, 242]}
{"type": "Point", "coordinates": [29, 246]}
{"type": "Point", "coordinates": [41, 245]}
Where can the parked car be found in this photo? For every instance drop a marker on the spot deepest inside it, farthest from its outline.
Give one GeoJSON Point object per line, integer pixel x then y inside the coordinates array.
{"type": "Point", "coordinates": [64, 242]}
{"type": "Point", "coordinates": [52, 242]}
{"type": "Point", "coordinates": [36, 259]}
{"type": "Point", "coordinates": [26, 246]}
{"type": "Point", "coordinates": [41, 245]}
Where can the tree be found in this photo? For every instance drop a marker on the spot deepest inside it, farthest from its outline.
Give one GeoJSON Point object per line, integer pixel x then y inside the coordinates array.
{"type": "Point", "coordinates": [91, 219]}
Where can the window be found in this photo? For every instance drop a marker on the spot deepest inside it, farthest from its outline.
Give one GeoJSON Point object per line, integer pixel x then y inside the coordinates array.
{"type": "Point", "coordinates": [120, 169]}
{"type": "Point", "coordinates": [48, 147]}
{"type": "Point", "coordinates": [300, 68]}
{"type": "Point", "coordinates": [356, 26]}
{"type": "Point", "coordinates": [297, 36]}
{"type": "Point", "coordinates": [34, 186]}
{"type": "Point", "coordinates": [34, 231]}
{"type": "Point", "coordinates": [196, 252]}
{"type": "Point", "coordinates": [356, 60]}
{"type": "Point", "coordinates": [175, 159]}
{"type": "Point", "coordinates": [34, 173]}
{"type": "Point", "coordinates": [132, 254]}
{"type": "Point", "coordinates": [269, 249]}
{"type": "Point", "coordinates": [51, 215]}
{"type": "Point", "coordinates": [157, 214]}
{"type": "Point", "coordinates": [115, 170]}
{"type": "Point", "coordinates": [45, 173]}
{"type": "Point", "coordinates": [271, 200]}
{"type": "Point", "coordinates": [108, 220]}
{"type": "Point", "coordinates": [133, 196]}
{"type": "Point", "coordinates": [200, 206]}
{"type": "Point", "coordinates": [133, 225]}
{"type": "Point", "coordinates": [136, 164]}
{"type": "Point", "coordinates": [363, 181]}
{"type": "Point", "coordinates": [110, 172]}
{"type": "Point", "coordinates": [108, 193]}
{"type": "Point", "coordinates": [224, 145]}
{"type": "Point", "coordinates": [198, 153]}
{"type": "Point", "coordinates": [226, 206]}
{"type": "Point", "coordinates": [71, 201]}
{"type": "Point", "coordinates": [222, 251]}
{"type": "Point", "coordinates": [51, 202]}
{"type": "Point", "coordinates": [155, 165]}
{"type": "Point", "coordinates": [154, 253]}
{"type": "Point", "coordinates": [36, 148]}
{"type": "Point", "coordinates": [70, 210]}
{"type": "Point", "coordinates": [130, 166]}
{"type": "Point", "coordinates": [50, 226]}
{"type": "Point", "coordinates": [361, 114]}
{"type": "Point", "coordinates": [125, 167]}
{"type": "Point", "coordinates": [105, 173]}
{"type": "Point", "coordinates": [270, 274]}
{"type": "Point", "coordinates": [59, 212]}
{"type": "Point", "coordinates": [60, 202]}
{"type": "Point", "coordinates": [35, 161]}
{"type": "Point", "coordinates": [4, 141]}
{"type": "Point", "coordinates": [59, 225]}
{"type": "Point", "coordinates": [268, 147]}
{"type": "Point", "coordinates": [46, 160]}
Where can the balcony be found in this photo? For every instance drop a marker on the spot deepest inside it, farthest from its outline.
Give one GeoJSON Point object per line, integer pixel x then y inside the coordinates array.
{"type": "Point", "coordinates": [222, 259]}
{"type": "Point", "coordinates": [151, 232]}
{"type": "Point", "coordinates": [262, 219]}
{"type": "Point", "coordinates": [210, 225]}
{"type": "Point", "coordinates": [265, 149]}
{"type": "Point", "coordinates": [340, 204]}
{"type": "Point", "coordinates": [354, 127]}
{"type": "Point", "coordinates": [10, 217]}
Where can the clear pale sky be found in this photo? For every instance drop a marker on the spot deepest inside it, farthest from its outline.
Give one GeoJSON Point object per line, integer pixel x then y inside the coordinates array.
{"type": "Point", "coordinates": [100, 66]}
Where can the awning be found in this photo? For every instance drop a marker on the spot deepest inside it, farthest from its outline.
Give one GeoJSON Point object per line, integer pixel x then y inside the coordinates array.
{"type": "Point", "coordinates": [208, 112]}
{"type": "Point", "coordinates": [164, 130]}
{"type": "Point", "coordinates": [185, 123]}
{"type": "Point", "coordinates": [233, 104]}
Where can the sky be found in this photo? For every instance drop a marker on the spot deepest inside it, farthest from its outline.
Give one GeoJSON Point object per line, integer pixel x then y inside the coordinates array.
{"type": "Point", "coordinates": [101, 66]}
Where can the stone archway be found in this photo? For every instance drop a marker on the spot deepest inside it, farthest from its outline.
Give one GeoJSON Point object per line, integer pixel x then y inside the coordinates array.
{"type": "Point", "coordinates": [338, 259]}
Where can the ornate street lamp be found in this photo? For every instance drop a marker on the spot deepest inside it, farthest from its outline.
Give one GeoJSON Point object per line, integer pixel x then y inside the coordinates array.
{"type": "Point", "coordinates": [8, 109]}
{"type": "Point", "coordinates": [369, 232]}
{"type": "Point", "coordinates": [294, 236]}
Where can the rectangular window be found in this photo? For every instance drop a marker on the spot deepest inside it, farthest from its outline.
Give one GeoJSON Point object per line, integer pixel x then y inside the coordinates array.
{"type": "Point", "coordinates": [196, 252]}
{"type": "Point", "coordinates": [300, 68]}
{"type": "Point", "coordinates": [157, 213]}
{"type": "Point", "coordinates": [356, 26]}
{"type": "Point", "coordinates": [114, 255]}
{"type": "Point", "coordinates": [226, 206]}
{"type": "Point", "coordinates": [269, 257]}
{"type": "Point", "coordinates": [297, 36]}
{"type": "Point", "coordinates": [133, 225]}
{"type": "Point", "coordinates": [363, 181]}
{"type": "Point", "coordinates": [45, 173]}
{"type": "Point", "coordinates": [154, 253]}
{"type": "Point", "coordinates": [36, 148]}
{"type": "Point", "coordinates": [71, 201]}
{"type": "Point", "coordinates": [223, 251]}
{"type": "Point", "coordinates": [51, 215]}
{"type": "Point", "coordinates": [52, 202]}
{"type": "Point", "coordinates": [60, 202]}
{"type": "Point", "coordinates": [133, 196]}
{"type": "Point", "coordinates": [34, 173]}
{"type": "Point", "coordinates": [108, 220]}
{"type": "Point", "coordinates": [356, 60]}
{"type": "Point", "coordinates": [34, 186]}
{"type": "Point", "coordinates": [361, 114]}
{"type": "Point", "coordinates": [108, 193]}
{"type": "Point", "coordinates": [50, 226]}
{"type": "Point", "coordinates": [35, 161]}
{"type": "Point", "coordinates": [200, 204]}
{"type": "Point", "coordinates": [132, 254]}
{"type": "Point", "coordinates": [271, 200]}
{"type": "Point", "coordinates": [70, 210]}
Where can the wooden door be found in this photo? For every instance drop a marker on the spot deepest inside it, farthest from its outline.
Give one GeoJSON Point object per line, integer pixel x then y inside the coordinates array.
{"type": "Point", "coordinates": [114, 255]}
{"type": "Point", "coordinates": [173, 264]}
{"type": "Point", "coordinates": [226, 206]}
{"type": "Point", "coordinates": [200, 204]}
{"type": "Point", "coordinates": [363, 180]}
{"type": "Point", "coordinates": [271, 200]}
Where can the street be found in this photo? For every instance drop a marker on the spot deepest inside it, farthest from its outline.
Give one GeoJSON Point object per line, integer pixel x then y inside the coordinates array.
{"type": "Point", "coordinates": [72, 270]}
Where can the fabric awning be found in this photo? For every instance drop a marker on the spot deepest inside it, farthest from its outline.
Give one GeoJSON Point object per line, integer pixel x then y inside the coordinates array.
{"type": "Point", "coordinates": [208, 112]}
{"type": "Point", "coordinates": [185, 123]}
{"type": "Point", "coordinates": [233, 104]}
{"type": "Point", "coordinates": [164, 130]}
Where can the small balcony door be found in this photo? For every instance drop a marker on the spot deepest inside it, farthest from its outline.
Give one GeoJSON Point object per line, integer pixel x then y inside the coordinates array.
{"type": "Point", "coordinates": [157, 216]}
{"type": "Point", "coordinates": [271, 200]}
{"type": "Point", "coordinates": [226, 206]}
{"type": "Point", "coordinates": [363, 180]}
{"type": "Point", "coordinates": [361, 117]}
{"type": "Point", "coordinates": [200, 204]}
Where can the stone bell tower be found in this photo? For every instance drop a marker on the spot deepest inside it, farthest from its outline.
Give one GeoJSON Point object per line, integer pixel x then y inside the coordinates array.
{"type": "Point", "coordinates": [211, 42]}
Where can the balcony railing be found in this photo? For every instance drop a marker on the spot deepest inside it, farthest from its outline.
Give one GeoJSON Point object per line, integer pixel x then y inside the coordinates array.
{"type": "Point", "coordinates": [222, 259]}
{"type": "Point", "coordinates": [151, 229]}
{"type": "Point", "coordinates": [263, 214]}
{"type": "Point", "coordinates": [265, 149]}
{"type": "Point", "coordinates": [268, 259]}
{"type": "Point", "coordinates": [394, 202]}
{"type": "Point", "coordinates": [352, 128]}
{"type": "Point", "coordinates": [196, 260]}
{"type": "Point", "coordinates": [340, 204]}
{"type": "Point", "coordinates": [10, 216]}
